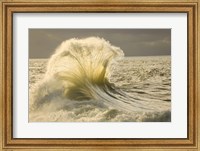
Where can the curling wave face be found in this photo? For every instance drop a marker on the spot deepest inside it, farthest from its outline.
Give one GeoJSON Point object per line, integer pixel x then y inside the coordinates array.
{"type": "Point", "coordinates": [78, 74]}
{"type": "Point", "coordinates": [82, 64]}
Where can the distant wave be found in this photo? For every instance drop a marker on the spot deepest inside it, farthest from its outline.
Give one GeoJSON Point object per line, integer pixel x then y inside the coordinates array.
{"type": "Point", "coordinates": [78, 74]}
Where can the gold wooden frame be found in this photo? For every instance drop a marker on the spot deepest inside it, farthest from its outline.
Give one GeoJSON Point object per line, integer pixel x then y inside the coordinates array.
{"type": "Point", "coordinates": [191, 7]}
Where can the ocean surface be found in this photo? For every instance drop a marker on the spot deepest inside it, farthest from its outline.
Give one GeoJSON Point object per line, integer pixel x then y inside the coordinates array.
{"type": "Point", "coordinates": [99, 85]}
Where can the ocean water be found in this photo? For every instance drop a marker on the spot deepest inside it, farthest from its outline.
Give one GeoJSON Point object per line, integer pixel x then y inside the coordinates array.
{"type": "Point", "coordinates": [90, 80]}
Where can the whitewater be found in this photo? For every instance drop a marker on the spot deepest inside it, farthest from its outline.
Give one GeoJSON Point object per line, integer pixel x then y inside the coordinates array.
{"type": "Point", "coordinates": [90, 80]}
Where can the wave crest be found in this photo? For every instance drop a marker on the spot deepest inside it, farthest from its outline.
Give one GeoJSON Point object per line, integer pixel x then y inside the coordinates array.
{"type": "Point", "coordinates": [81, 64]}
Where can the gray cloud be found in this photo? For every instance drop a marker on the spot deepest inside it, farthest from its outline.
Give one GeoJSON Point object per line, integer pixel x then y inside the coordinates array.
{"type": "Point", "coordinates": [134, 42]}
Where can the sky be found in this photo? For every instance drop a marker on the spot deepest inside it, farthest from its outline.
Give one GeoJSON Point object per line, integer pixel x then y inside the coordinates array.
{"type": "Point", "coordinates": [134, 42]}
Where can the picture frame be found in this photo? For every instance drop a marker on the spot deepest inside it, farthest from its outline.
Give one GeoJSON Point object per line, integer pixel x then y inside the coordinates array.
{"type": "Point", "coordinates": [9, 7]}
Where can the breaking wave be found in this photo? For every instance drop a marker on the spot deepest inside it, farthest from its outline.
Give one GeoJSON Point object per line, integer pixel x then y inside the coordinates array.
{"type": "Point", "coordinates": [78, 76]}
